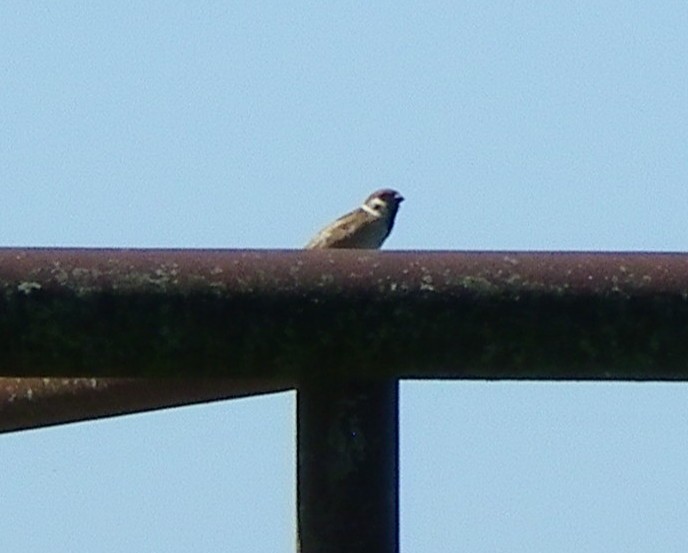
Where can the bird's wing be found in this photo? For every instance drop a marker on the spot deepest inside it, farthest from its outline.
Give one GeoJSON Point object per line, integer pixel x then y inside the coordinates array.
{"type": "Point", "coordinates": [349, 231]}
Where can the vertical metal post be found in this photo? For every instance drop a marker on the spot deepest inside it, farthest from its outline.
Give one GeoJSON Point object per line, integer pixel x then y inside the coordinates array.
{"type": "Point", "coordinates": [348, 470]}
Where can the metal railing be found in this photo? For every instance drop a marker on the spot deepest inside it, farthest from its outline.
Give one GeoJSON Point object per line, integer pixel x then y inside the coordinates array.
{"type": "Point", "coordinates": [91, 333]}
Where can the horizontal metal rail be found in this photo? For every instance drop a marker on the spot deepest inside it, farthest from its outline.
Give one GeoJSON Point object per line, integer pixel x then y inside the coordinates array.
{"type": "Point", "coordinates": [281, 314]}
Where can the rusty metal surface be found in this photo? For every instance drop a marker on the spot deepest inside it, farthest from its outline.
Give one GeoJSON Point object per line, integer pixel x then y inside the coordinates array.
{"type": "Point", "coordinates": [36, 402]}
{"type": "Point", "coordinates": [288, 314]}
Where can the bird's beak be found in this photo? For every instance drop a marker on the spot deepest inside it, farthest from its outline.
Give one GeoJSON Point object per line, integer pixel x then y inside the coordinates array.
{"type": "Point", "coordinates": [399, 198]}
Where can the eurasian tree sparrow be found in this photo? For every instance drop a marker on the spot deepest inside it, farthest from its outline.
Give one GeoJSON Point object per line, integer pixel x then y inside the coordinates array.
{"type": "Point", "coordinates": [365, 228]}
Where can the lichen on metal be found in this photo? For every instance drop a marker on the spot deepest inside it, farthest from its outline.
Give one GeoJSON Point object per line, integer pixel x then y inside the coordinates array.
{"type": "Point", "coordinates": [287, 314]}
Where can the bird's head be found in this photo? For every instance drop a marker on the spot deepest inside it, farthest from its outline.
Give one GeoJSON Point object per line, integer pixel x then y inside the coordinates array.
{"type": "Point", "coordinates": [384, 202]}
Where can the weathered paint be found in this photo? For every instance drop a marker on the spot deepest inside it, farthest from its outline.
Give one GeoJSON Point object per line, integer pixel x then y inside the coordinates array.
{"type": "Point", "coordinates": [288, 314]}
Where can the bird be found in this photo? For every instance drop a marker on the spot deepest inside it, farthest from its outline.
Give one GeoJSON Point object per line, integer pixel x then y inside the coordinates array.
{"type": "Point", "coordinates": [364, 228]}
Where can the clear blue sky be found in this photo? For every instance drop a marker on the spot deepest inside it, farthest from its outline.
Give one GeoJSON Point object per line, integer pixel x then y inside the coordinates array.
{"type": "Point", "coordinates": [507, 125]}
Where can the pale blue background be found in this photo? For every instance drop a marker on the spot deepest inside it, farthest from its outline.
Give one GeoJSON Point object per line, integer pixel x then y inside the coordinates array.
{"type": "Point", "coordinates": [507, 125]}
